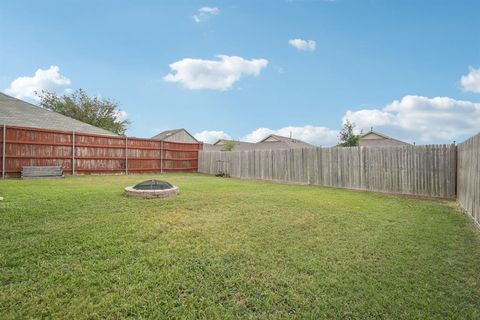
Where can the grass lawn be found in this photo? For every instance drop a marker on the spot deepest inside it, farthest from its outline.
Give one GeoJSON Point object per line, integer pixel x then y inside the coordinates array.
{"type": "Point", "coordinates": [226, 248]}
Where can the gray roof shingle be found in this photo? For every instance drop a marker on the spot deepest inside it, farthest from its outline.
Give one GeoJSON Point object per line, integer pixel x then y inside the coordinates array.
{"type": "Point", "coordinates": [167, 133]}
{"type": "Point", "coordinates": [17, 112]}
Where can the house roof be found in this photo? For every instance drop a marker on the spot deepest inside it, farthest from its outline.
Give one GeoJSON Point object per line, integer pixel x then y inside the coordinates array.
{"type": "Point", "coordinates": [279, 142]}
{"type": "Point", "coordinates": [17, 112]}
{"type": "Point", "coordinates": [290, 142]}
{"type": "Point", "coordinates": [381, 135]}
{"type": "Point", "coordinates": [274, 136]}
{"type": "Point", "coordinates": [223, 141]}
{"type": "Point", "coordinates": [167, 133]}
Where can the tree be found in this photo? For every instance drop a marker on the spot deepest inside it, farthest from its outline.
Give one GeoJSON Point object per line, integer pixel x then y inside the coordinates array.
{"type": "Point", "coordinates": [100, 112]}
{"type": "Point", "coordinates": [347, 137]}
{"type": "Point", "coordinates": [228, 146]}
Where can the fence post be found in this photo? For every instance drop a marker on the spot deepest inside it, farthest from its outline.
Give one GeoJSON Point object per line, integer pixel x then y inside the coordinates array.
{"type": "Point", "coordinates": [73, 152]}
{"type": "Point", "coordinates": [455, 169]}
{"type": "Point", "coordinates": [161, 156]}
{"type": "Point", "coordinates": [4, 151]}
{"type": "Point", "coordinates": [126, 155]}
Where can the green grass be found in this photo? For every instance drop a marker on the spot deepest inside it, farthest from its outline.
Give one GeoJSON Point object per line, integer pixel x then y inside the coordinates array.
{"type": "Point", "coordinates": [225, 248]}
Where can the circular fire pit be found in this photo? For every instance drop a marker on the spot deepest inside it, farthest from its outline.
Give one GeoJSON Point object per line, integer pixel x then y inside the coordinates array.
{"type": "Point", "coordinates": [152, 189]}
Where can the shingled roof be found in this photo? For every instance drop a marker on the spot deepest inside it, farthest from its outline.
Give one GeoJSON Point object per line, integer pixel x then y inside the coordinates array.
{"type": "Point", "coordinates": [271, 142]}
{"type": "Point", "coordinates": [168, 133]}
{"type": "Point", "coordinates": [283, 142]}
{"type": "Point", "coordinates": [17, 112]}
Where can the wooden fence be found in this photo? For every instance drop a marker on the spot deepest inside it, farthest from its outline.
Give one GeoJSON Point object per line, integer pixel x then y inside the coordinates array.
{"type": "Point", "coordinates": [433, 171]}
{"type": "Point", "coordinates": [468, 177]}
{"type": "Point", "coordinates": [83, 153]}
{"type": "Point", "coordinates": [414, 170]}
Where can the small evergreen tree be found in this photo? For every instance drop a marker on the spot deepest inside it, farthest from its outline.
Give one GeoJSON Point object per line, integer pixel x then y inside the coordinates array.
{"type": "Point", "coordinates": [347, 137]}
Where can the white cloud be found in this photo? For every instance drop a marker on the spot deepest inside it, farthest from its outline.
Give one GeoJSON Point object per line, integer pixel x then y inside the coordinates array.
{"type": "Point", "coordinates": [205, 12]}
{"type": "Point", "coordinates": [316, 135]}
{"type": "Point", "coordinates": [211, 136]}
{"type": "Point", "coordinates": [421, 119]}
{"type": "Point", "coordinates": [304, 45]}
{"type": "Point", "coordinates": [49, 79]}
{"type": "Point", "coordinates": [212, 74]}
{"type": "Point", "coordinates": [209, 10]}
{"type": "Point", "coordinates": [471, 81]}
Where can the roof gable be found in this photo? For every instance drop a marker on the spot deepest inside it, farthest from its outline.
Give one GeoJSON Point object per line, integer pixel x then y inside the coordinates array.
{"type": "Point", "coordinates": [271, 138]}
{"type": "Point", "coordinates": [275, 138]}
{"type": "Point", "coordinates": [221, 142]}
{"type": "Point", "coordinates": [289, 141]}
{"type": "Point", "coordinates": [374, 135]}
{"type": "Point", "coordinates": [168, 133]}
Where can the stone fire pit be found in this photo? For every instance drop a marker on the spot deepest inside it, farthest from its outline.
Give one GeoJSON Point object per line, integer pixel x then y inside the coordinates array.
{"type": "Point", "coordinates": [152, 189]}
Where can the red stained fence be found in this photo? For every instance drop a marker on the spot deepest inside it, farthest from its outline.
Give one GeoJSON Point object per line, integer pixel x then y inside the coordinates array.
{"type": "Point", "coordinates": [84, 153]}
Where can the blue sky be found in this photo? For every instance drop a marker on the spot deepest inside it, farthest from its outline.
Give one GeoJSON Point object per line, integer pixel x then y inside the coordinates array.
{"type": "Point", "coordinates": [393, 65]}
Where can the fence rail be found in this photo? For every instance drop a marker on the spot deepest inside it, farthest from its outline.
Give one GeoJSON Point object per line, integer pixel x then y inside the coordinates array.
{"type": "Point", "coordinates": [468, 178]}
{"type": "Point", "coordinates": [415, 170]}
{"type": "Point", "coordinates": [90, 153]}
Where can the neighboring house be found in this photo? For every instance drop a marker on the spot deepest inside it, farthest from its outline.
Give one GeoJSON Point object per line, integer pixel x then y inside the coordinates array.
{"type": "Point", "coordinates": [269, 143]}
{"type": "Point", "coordinates": [210, 147]}
{"type": "Point", "coordinates": [237, 145]}
{"type": "Point", "coordinates": [274, 141]}
{"type": "Point", "coordinates": [377, 139]}
{"type": "Point", "coordinates": [16, 112]}
{"type": "Point", "coordinates": [220, 145]}
{"type": "Point", "coordinates": [176, 135]}
{"type": "Point", "coordinates": [223, 142]}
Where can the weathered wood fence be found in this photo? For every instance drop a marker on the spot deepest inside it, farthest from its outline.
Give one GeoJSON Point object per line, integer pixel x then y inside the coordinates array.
{"type": "Point", "coordinates": [414, 170]}
{"type": "Point", "coordinates": [83, 153]}
{"type": "Point", "coordinates": [468, 177]}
